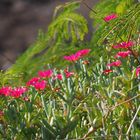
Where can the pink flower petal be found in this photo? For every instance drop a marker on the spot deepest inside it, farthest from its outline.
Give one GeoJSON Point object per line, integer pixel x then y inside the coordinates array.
{"type": "Point", "coordinates": [123, 54]}
{"type": "Point", "coordinates": [115, 64]}
{"type": "Point", "coordinates": [107, 71]}
{"type": "Point", "coordinates": [45, 74]}
{"type": "Point", "coordinates": [124, 45]}
{"type": "Point", "coordinates": [138, 71]}
{"type": "Point", "coordinates": [110, 17]}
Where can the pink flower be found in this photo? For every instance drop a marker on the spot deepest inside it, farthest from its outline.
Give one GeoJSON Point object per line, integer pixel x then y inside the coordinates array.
{"type": "Point", "coordinates": [107, 71]}
{"type": "Point", "coordinates": [58, 76]}
{"type": "Point", "coordinates": [115, 64]}
{"type": "Point", "coordinates": [69, 74]}
{"type": "Point", "coordinates": [45, 74]}
{"type": "Point", "coordinates": [138, 71]}
{"type": "Point", "coordinates": [110, 17]}
{"type": "Point", "coordinates": [15, 92]}
{"type": "Point", "coordinates": [77, 55]}
{"type": "Point", "coordinates": [40, 85]}
{"type": "Point", "coordinates": [5, 91]}
{"type": "Point", "coordinates": [32, 81]}
{"type": "Point", "coordinates": [72, 58]}
{"type": "Point", "coordinates": [37, 83]}
{"type": "Point", "coordinates": [124, 45]}
{"type": "Point", "coordinates": [18, 91]}
{"type": "Point", "coordinates": [123, 54]}
{"type": "Point", "coordinates": [82, 53]}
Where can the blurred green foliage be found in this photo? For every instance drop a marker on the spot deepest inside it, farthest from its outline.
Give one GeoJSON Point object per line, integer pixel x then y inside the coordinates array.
{"type": "Point", "coordinates": [64, 35]}
{"type": "Point", "coordinates": [90, 104]}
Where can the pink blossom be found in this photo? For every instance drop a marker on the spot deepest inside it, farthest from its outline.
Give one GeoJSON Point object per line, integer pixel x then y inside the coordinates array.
{"type": "Point", "coordinates": [123, 54]}
{"type": "Point", "coordinates": [18, 91]}
{"type": "Point", "coordinates": [69, 74]}
{"type": "Point", "coordinates": [32, 81]}
{"type": "Point", "coordinates": [138, 71]}
{"type": "Point", "coordinates": [115, 64]}
{"type": "Point", "coordinates": [107, 71]}
{"type": "Point", "coordinates": [40, 85]}
{"type": "Point", "coordinates": [77, 55]}
{"type": "Point", "coordinates": [124, 45]}
{"type": "Point", "coordinates": [110, 17]}
{"type": "Point", "coordinates": [14, 92]}
{"type": "Point", "coordinates": [5, 91]}
{"type": "Point", "coordinates": [82, 53]}
{"type": "Point", "coordinates": [72, 58]}
{"type": "Point", "coordinates": [45, 74]}
{"type": "Point", "coordinates": [37, 83]}
{"type": "Point", "coordinates": [58, 76]}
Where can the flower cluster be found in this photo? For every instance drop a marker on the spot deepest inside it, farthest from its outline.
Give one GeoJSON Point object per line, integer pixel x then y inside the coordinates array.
{"type": "Point", "coordinates": [77, 55]}
{"type": "Point", "coordinates": [67, 74]}
{"type": "Point", "coordinates": [37, 83]}
{"type": "Point", "coordinates": [45, 74]}
{"type": "Point", "coordinates": [13, 92]}
{"type": "Point", "coordinates": [5, 91]}
{"type": "Point", "coordinates": [124, 45]}
{"type": "Point", "coordinates": [121, 54]}
{"type": "Point", "coordinates": [32, 81]}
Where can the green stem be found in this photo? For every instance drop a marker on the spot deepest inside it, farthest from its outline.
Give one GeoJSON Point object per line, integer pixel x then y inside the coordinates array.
{"type": "Point", "coordinates": [44, 106]}
{"type": "Point", "coordinates": [114, 107]}
{"type": "Point", "coordinates": [133, 120]}
{"type": "Point", "coordinates": [83, 1]}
